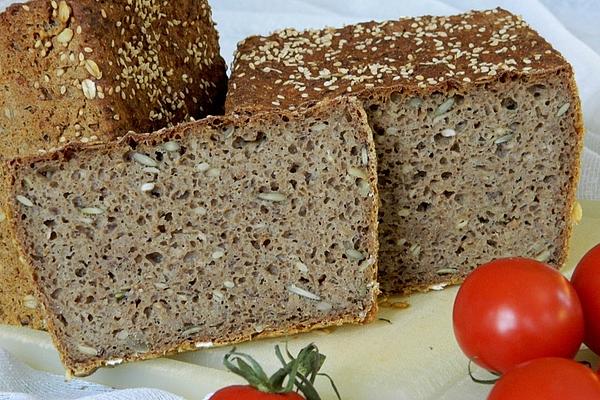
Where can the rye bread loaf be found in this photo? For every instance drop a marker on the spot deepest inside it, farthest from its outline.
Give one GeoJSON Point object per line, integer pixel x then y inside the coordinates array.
{"type": "Point", "coordinates": [477, 125]}
{"type": "Point", "coordinates": [210, 233]}
{"type": "Point", "coordinates": [88, 70]}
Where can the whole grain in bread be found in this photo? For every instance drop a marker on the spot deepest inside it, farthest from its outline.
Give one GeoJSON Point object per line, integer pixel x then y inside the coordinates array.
{"type": "Point", "coordinates": [210, 233]}
{"type": "Point", "coordinates": [84, 71]}
{"type": "Point", "coordinates": [477, 125]}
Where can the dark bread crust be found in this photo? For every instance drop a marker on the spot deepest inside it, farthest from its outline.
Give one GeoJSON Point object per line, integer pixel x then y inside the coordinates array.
{"type": "Point", "coordinates": [569, 212]}
{"type": "Point", "coordinates": [49, 51]}
{"type": "Point", "coordinates": [133, 89]}
{"type": "Point", "coordinates": [414, 57]}
{"type": "Point", "coordinates": [354, 113]}
{"type": "Point", "coordinates": [263, 66]}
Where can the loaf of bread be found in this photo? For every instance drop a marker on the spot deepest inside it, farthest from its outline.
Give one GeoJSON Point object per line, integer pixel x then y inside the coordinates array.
{"type": "Point", "coordinates": [477, 124]}
{"type": "Point", "coordinates": [85, 71]}
{"type": "Point", "coordinates": [209, 233]}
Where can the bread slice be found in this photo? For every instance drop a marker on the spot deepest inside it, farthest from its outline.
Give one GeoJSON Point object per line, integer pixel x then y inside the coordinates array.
{"type": "Point", "coordinates": [210, 233]}
{"type": "Point", "coordinates": [477, 125]}
{"type": "Point", "coordinates": [85, 71]}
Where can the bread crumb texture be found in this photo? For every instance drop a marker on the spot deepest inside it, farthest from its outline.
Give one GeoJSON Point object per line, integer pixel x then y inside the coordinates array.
{"type": "Point", "coordinates": [89, 71]}
{"type": "Point", "coordinates": [477, 126]}
{"type": "Point", "coordinates": [211, 233]}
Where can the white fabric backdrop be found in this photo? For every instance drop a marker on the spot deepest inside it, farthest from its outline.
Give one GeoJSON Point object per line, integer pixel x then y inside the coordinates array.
{"type": "Point", "coordinates": [19, 382]}
{"type": "Point", "coordinates": [571, 25]}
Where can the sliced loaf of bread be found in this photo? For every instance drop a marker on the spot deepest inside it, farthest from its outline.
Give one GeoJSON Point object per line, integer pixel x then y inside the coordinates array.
{"type": "Point", "coordinates": [88, 70]}
{"type": "Point", "coordinates": [477, 125]}
{"type": "Point", "coordinates": [209, 233]}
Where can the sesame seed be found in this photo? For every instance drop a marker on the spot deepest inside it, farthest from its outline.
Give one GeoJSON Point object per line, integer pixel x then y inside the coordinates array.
{"type": "Point", "coordinates": [171, 146]}
{"type": "Point", "coordinates": [303, 292]}
{"type": "Point", "coordinates": [89, 88]}
{"type": "Point", "coordinates": [91, 211]}
{"type": "Point", "coordinates": [203, 167]}
{"type": "Point", "coordinates": [272, 196]}
{"type": "Point", "coordinates": [24, 200]}
{"type": "Point", "coordinates": [470, 47]}
{"type": "Point", "coordinates": [563, 109]}
{"type": "Point", "coordinates": [448, 132]}
{"type": "Point", "coordinates": [65, 36]}
{"type": "Point", "coordinates": [217, 253]}
{"type": "Point", "coordinates": [228, 284]}
{"type": "Point", "coordinates": [93, 69]}
{"type": "Point", "coordinates": [144, 160]}
{"type": "Point", "coordinates": [64, 11]}
{"type": "Point", "coordinates": [147, 187]}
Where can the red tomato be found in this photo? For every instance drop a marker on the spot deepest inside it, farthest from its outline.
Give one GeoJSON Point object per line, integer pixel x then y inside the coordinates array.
{"type": "Point", "coordinates": [548, 379]}
{"type": "Point", "coordinates": [246, 392]}
{"type": "Point", "coordinates": [586, 280]}
{"type": "Point", "coordinates": [514, 310]}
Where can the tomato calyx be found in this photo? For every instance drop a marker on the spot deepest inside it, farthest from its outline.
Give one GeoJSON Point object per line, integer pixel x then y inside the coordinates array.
{"type": "Point", "coordinates": [296, 374]}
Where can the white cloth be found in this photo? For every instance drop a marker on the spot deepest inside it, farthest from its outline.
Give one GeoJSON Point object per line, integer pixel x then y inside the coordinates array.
{"type": "Point", "coordinates": [20, 382]}
{"type": "Point", "coordinates": [580, 17]}
{"type": "Point", "coordinates": [571, 25]}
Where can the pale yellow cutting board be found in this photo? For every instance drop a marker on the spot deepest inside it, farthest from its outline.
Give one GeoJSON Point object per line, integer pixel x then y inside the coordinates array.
{"type": "Point", "coordinates": [413, 358]}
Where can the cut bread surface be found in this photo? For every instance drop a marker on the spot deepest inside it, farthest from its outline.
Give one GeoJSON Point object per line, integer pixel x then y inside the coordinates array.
{"type": "Point", "coordinates": [477, 124]}
{"type": "Point", "coordinates": [210, 233]}
{"type": "Point", "coordinates": [493, 176]}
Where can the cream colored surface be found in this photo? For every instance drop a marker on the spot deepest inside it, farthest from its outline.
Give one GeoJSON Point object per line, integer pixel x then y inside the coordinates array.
{"type": "Point", "coordinates": [415, 357]}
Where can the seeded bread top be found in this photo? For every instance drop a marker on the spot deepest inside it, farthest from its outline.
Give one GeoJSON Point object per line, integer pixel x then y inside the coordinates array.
{"type": "Point", "coordinates": [423, 55]}
{"type": "Point", "coordinates": [76, 70]}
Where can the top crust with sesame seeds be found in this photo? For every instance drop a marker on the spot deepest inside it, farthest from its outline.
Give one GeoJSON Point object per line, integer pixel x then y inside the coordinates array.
{"type": "Point", "coordinates": [87, 71]}
{"type": "Point", "coordinates": [422, 54]}
{"type": "Point", "coordinates": [478, 132]}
